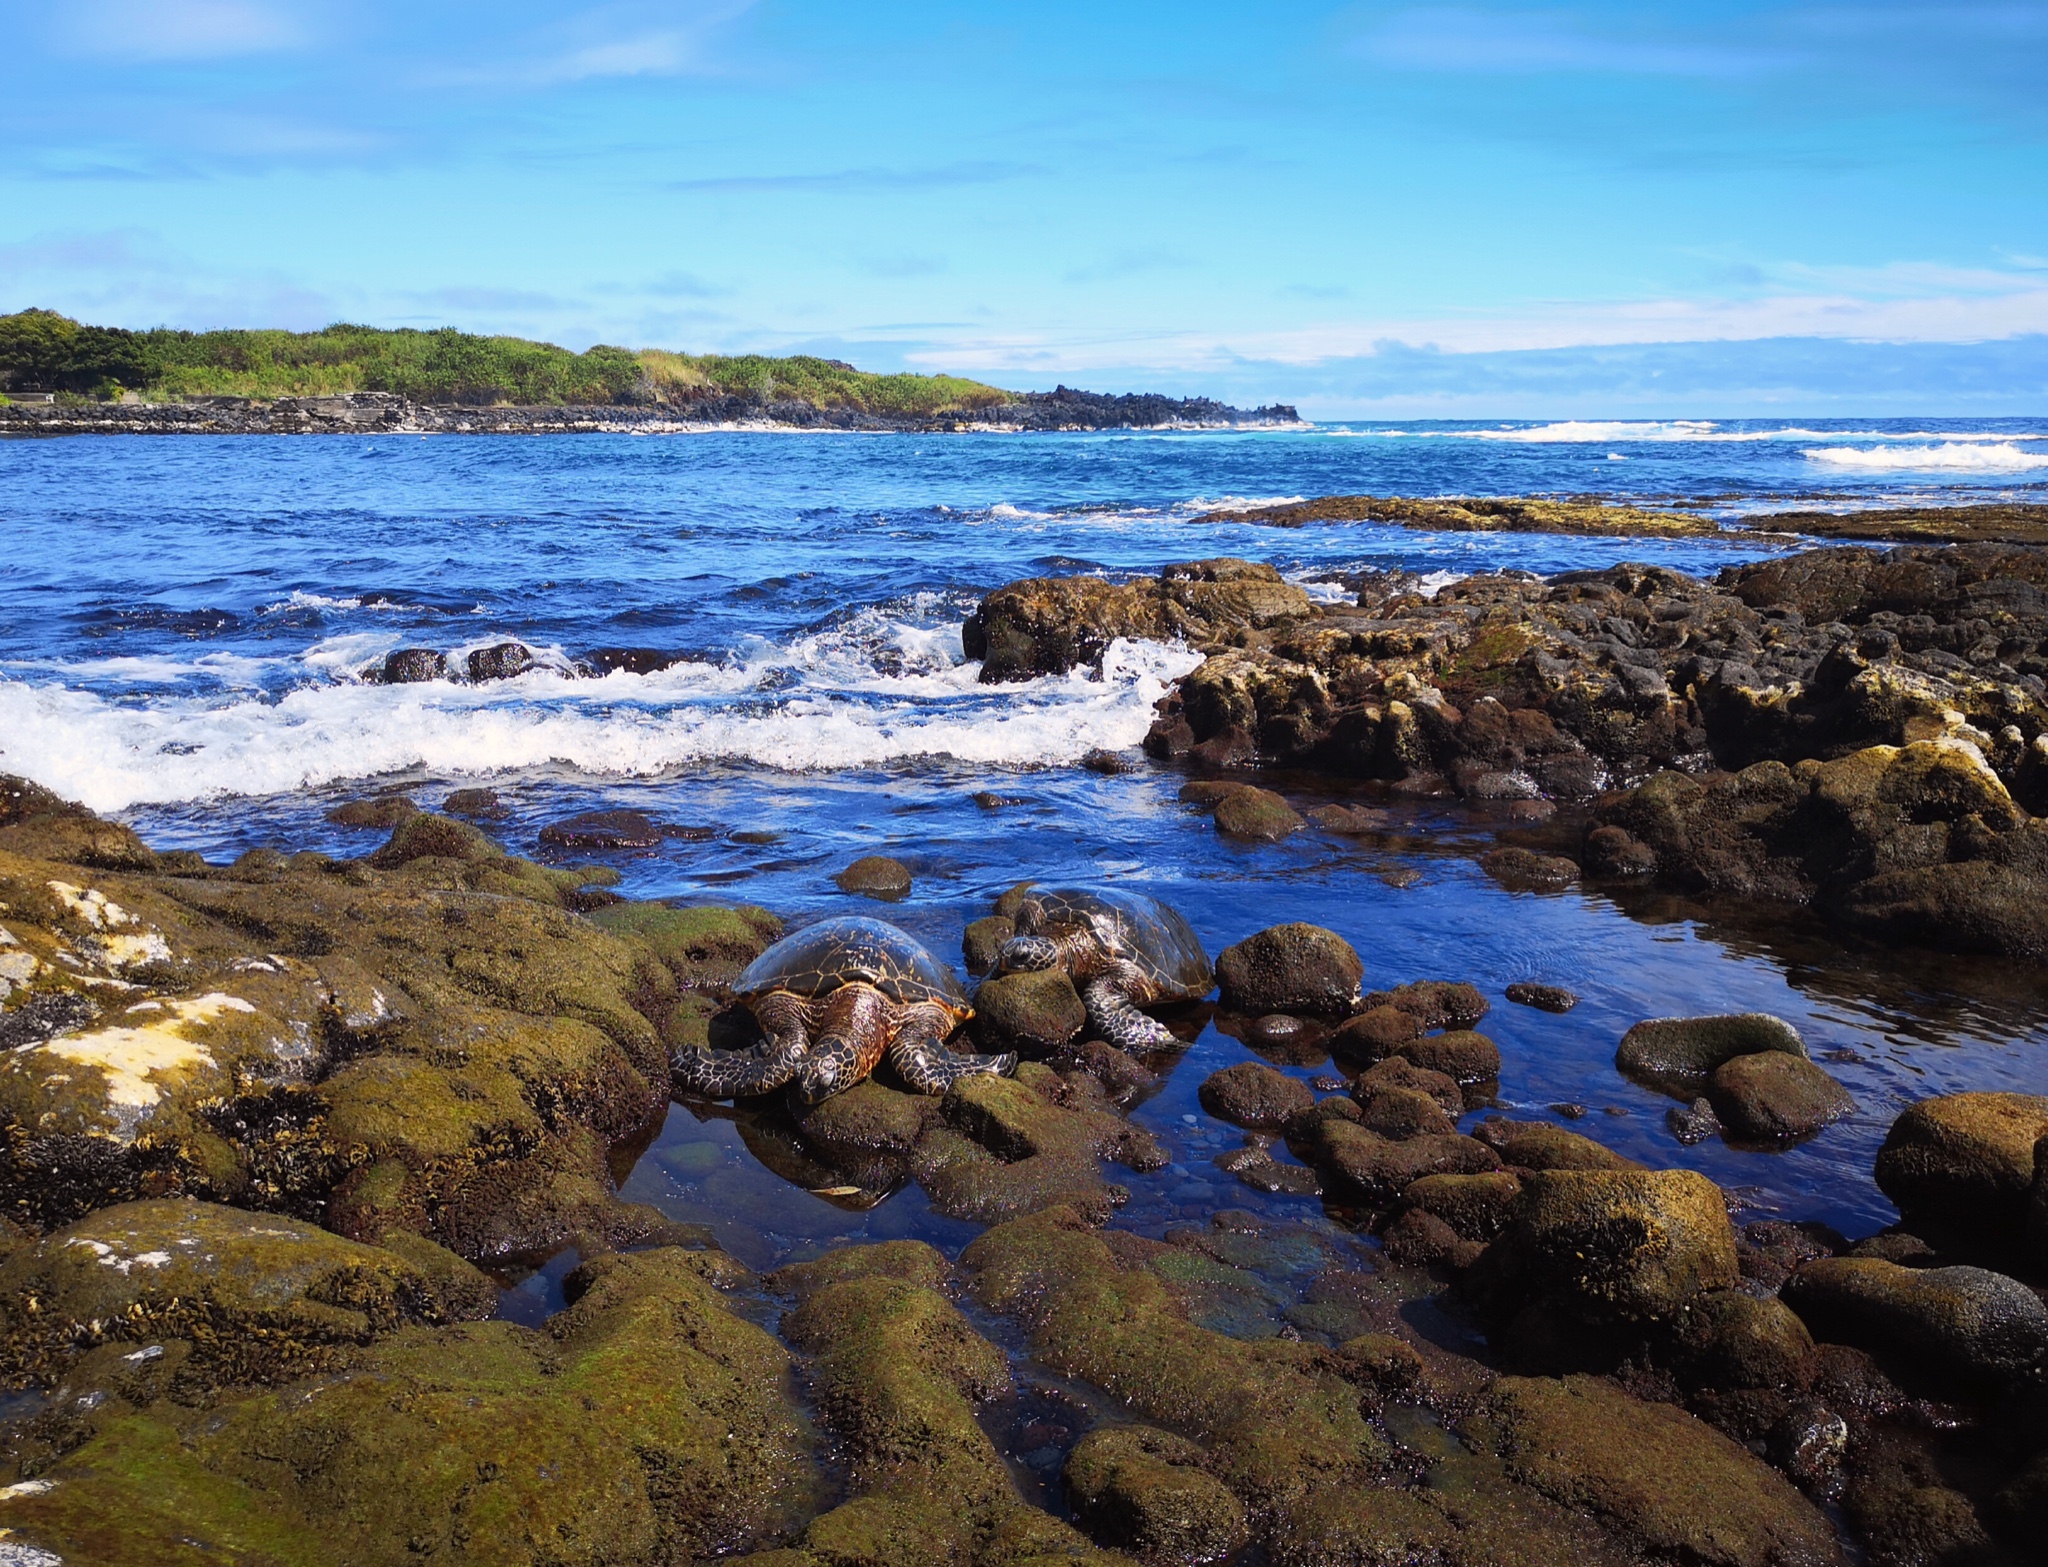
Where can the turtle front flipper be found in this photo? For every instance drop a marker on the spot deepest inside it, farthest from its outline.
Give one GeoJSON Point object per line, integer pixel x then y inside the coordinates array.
{"type": "Point", "coordinates": [736, 1074]}
{"type": "Point", "coordinates": [1111, 1016]}
{"type": "Point", "coordinates": [919, 1054]}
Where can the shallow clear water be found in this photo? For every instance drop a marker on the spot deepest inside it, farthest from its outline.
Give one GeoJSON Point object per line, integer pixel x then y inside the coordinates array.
{"type": "Point", "coordinates": [182, 620]}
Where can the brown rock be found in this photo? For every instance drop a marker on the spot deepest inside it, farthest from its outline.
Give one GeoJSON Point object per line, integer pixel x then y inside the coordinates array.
{"type": "Point", "coordinates": [1252, 1094]}
{"type": "Point", "coordinates": [1772, 1095]}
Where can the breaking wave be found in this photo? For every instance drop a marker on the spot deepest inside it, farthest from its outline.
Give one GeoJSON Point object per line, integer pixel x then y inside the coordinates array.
{"type": "Point", "coordinates": [1949, 457]}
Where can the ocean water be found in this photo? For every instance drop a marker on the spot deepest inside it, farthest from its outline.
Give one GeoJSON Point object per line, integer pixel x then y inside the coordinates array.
{"type": "Point", "coordinates": [183, 621]}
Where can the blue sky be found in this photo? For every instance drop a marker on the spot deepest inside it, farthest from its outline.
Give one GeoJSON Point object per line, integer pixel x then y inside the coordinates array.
{"type": "Point", "coordinates": [1369, 210]}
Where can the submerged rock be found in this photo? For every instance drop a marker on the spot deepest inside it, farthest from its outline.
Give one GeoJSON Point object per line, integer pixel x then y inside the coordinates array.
{"type": "Point", "coordinates": [1680, 1054]}
{"type": "Point", "coordinates": [603, 830]}
{"type": "Point", "coordinates": [876, 876]}
{"type": "Point", "coordinates": [1147, 1490]}
{"type": "Point", "coordinates": [384, 810]}
{"type": "Point", "coordinates": [1774, 1095]}
{"type": "Point", "coordinates": [1252, 1094]}
{"type": "Point", "coordinates": [1256, 814]}
{"type": "Point", "coordinates": [1290, 968]}
{"type": "Point", "coordinates": [1545, 998]}
{"type": "Point", "coordinates": [1526, 869]}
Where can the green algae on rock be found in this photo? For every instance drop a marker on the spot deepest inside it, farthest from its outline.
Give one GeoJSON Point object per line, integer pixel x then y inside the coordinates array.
{"type": "Point", "coordinates": [648, 1422]}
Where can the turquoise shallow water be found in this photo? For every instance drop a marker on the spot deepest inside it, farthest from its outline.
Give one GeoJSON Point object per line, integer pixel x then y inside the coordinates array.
{"type": "Point", "coordinates": [184, 619]}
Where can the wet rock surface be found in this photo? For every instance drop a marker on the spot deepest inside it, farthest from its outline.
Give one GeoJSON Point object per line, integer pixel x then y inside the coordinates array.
{"type": "Point", "coordinates": [247, 1195]}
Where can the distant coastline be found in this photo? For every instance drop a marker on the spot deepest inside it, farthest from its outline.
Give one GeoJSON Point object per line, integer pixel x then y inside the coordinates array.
{"type": "Point", "coordinates": [61, 377]}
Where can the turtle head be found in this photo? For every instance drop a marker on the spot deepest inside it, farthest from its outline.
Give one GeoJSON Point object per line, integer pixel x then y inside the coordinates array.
{"type": "Point", "coordinates": [1026, 954]}
{"type": "Point", "coordinates": [832, 1064]}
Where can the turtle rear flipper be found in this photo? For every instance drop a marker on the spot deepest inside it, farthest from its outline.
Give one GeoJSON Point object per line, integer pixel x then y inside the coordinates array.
{"type": "Point", "coordinates": [1112, 1017]}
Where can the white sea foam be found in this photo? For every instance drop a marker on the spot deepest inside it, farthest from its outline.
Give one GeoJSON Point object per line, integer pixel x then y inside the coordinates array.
{"type": "Point", "coordinates": [869, 692]}
{"type": "Point", "coordinates": [1003, 511]}
{"type": "Point", "coordinates": [1202, 503]}
{"type": "Point", "coordinates": [1948, 457]}
{"type": "Point", "coordinates": [1598, 432]}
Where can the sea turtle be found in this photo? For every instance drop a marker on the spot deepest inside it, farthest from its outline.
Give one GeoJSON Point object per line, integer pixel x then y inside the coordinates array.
{"type": "Point", "coordinates": [833, 999]}
{"type": "Point", "coordinates": [1122, 950]}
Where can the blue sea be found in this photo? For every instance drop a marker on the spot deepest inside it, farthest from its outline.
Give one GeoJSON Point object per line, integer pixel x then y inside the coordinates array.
{"type": "Point", "coordinates": [184, 621]}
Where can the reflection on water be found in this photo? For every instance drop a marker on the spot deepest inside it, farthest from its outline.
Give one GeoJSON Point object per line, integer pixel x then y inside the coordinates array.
{"type": "Point", "coordinates": [1893, 1027]}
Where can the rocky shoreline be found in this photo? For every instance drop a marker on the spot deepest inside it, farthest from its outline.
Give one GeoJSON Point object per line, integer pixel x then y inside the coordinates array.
{"type": "Point", "coordinates": [267, 1123]}
{"type": "Point", "coordinates": [1864, 731]}
{"type": "Point", "coordinates": [1064, 409]}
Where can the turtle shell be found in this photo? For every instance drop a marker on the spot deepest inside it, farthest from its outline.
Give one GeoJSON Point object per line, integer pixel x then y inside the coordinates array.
{"type": "Point", "coordinates": [852, 950]}
{"type": "Point", "coordinates": [1131, 926]}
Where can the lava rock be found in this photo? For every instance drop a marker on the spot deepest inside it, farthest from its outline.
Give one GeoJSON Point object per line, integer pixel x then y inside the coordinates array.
{"type": "Point", "coordinates": [1772, 1095]}
{"type": "Point", "coordinates": [500, 661]}
{"type": "Point", "coordinates": [1976, 1326]}
{"type": "Point", "coordinates": [1145, 1490]}
{"type": "Point", "coordinates": [1433, 1003]}
{"type": "Point", "coordinates": [1545, 998]}
{"type": "Point", "coordinates": [876, 876]}
{"type": "Point", "coordinates": [1461, 1055]}
{"type": "Point", "coordinates": [981, 945]}
{"type": "Point", "coordinates": [1964, 1161]}
{"type": "Point", "coordinates": [630, 660]}
{"type": "Point", "coordinates": [1611, 1246]}
{"type": "Point", "coordinates": [1679, 1054]}
{"type": "Point", "coordinates": [1518, 868]}
{"type": "Point", "coordinates": [1035, 1013]}
{"type": "Point", "coordinates": [1290, 968]}
{"type": "Point", "coordinates": [1108, 763]}
{"type": "Point", "coordinates": [411, 666]}
{"type": "Point", "coordinates": [1256, 814]}
{"type": "Point", "coordinates": [1252, 1094]}
{"type": "Point", "coordinates": [602, 830]}
{"type": "Point", "coordinates": [384, 810]}
{"type": "Point", "coordinates": [478, 804]}
{"type": "Point", "coordinates": [1373, 1035]}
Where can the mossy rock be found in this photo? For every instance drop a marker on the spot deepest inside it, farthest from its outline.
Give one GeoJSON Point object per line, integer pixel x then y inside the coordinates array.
{"type": "Point", "coordinates": [1256, 815]}
{"type": "Point", "coordinates": [423, 835]}
{"type": "Point", "coordinates": [261, 1299]}
{"type": "Point", "coordinates": [981, 945]}
{"type": "Point", "coordinates": [1145, 1489]}
{"type": "Point", "coordinates": [876, 876]}
{"type": "Point", "coordinates": [910, 1262]}
{"type": "Point", "coordinates": [1964, 1163]}
{"type": "Point", "coordinates": [1476, 1207]}
{"type": "Point", "coordinates": [1734, 1340]}
{"type": "Point", "coordinates": [1036, 1013]}
{"type": "Point", "coordinates": [1463, 1056]}
{"type": "Point", "coordinates": [1664, 1483]}
{"type": "Point", "coordinates": [1772, 1095]}
{"type": "Point", "coordinates": [1290, 968]}
{"type": "Point", "coordinates": [1679, 1054]}
{"type": "Point", "coordinates": [1362, 1167]}
{"type": "Point", "coordinates": [1254, 1094]}
{"type": "Point", "coordinates": [1610, 1246]}
{"type": "Point", "coordinates": [648, 1422]}
{"type": "Point", "coordinates": [1544, 1145]}
{"type": "Point", "coordinates": [1968, 1325]}
{"type": "Point", "coordinates": [704, 945]}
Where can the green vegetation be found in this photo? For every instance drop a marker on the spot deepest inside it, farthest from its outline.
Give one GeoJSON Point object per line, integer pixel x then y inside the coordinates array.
{"type": "Point", "coordinates": [44, 351]}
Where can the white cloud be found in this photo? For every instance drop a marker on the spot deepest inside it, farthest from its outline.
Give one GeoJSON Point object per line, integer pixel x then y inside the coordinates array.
{"type": "Point", "coordinates": [178, 29]}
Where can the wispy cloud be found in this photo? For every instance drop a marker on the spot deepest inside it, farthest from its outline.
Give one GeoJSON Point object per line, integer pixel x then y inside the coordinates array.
{"type": "Point", "coordinates": [180, 29]}
{"type": "Point", "coordinates": [609, 42]}
{"type": "Point", "coordinates": [853, 181]}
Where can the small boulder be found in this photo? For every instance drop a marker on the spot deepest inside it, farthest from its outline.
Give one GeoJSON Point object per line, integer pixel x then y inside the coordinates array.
{"type": "Point", "coordinates": [1145, 1490]}
{"type": "Point", "coordinates": [1731, 1339]}
{"type": "Point", "coordinates": [1461, 1055]}
{"type": "Point", "coordinates": [1477, 1207]}
{"type": "Point", "coordinates": [1545, 998]}
{"type": "Point", "coordinates": [1036, 1013]}
{"type": "Point", "coordinates": [384, 810]}
{"type": "Point", "coordinates": [478, 804]}
{"type": "Point", "coordinates": [1257, 815]}
{"type": "Point", "coordinates": [1251, 1094]}
{"type": "Point", "coordinates": [1770, 1095]}
{"type": "Point", "coordinates": [981, 946]}
{"type": "Point", "coordinates": [1521, 869]}
{"type": "Point", "coordinates": [1609, 1246]}
{"type": "Point", "coordinates": [1359, 1165]}
{"type": "Point", "coordinates": [409, 666]}
{"type": "Point", "coordinates": [501, 661]}
{"type": "Point", "coordinates": [1374, 1035]}
{"type": "Point", "coordinates": [1679, 1054]}
{"type": "Point", "coordinates": [602, 830]}
{"type": "Point", "coordinates": [1543, 1145]}
{"type": "Point", "coordinates": [425, 836]}
{"type": "Point", "coordinates": [1433, 1003]}
{"type": "Point", "coordinates": [1397, 1072]}
{"type": "Point", "coordinates": [876, 876]}
{"type": "Point", "coordinates": [1974, 1325]}
{"type": "Point", "coordinates": [1290, 968]}
{"type": "Point", "coordinates": [1614, 851]}
{"type": "Point", "coordinates": [1108, 763]}
{"type": "Point", "coordinates": [1965, 1160]}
